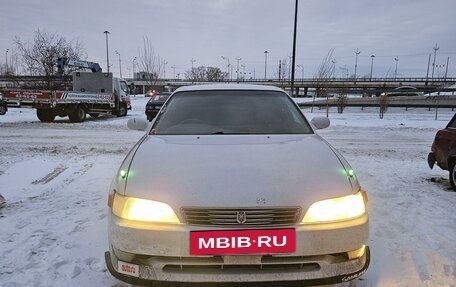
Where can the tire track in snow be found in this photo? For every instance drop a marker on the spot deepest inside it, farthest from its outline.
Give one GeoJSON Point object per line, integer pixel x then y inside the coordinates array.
{"type": "Point", "coordinates": [50, 176]}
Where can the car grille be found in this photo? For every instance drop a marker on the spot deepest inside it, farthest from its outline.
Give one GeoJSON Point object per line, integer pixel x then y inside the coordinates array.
{"type": "Point", "coordinates": [230, 216]}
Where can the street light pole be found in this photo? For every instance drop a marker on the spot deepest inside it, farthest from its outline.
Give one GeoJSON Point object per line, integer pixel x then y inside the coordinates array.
{"type": "Point", "coordinates": [120, 63]}
{"type": "Point", "coordinates": [395, 70]}
{"type": "Point", "coordinates": [357, 52]}
{"type": "Point", "coordinates": [134, 59]}
{"type": "Point", "coordinates": [174, 71]}
{"type": "Point", "coordinates": [436, 48]}
{"type": "Point", "coordinates": [107, 49]}
{"type": "Point", "coordinates": [6, 60]}
{"type": "Point", "coordinates": [227, 69]}
{"type": "Point", "coordinates": [237, 68]}
{"type": "Point", "coordinates": [265, 63]}
{"type": "Point", "coordinates": [372, 65]}
{"type": "Point", "coordinates": [294, 49]}
{"type": "Point", "coordinates": [164, 69]}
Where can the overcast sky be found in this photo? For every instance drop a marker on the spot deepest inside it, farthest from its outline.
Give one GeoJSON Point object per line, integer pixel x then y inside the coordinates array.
{"type": "Point", "coordinates": [205, 30]}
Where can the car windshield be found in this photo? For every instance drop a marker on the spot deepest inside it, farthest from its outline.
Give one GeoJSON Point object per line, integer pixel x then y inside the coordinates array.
{"type": "Point", "coordinates": [230, 112]}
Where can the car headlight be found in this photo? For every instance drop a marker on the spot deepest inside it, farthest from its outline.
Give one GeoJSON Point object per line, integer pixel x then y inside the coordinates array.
{"type": "Point", "coordinates": [336, 209]}
{"type": "Point", "coordinates": [142, 209]}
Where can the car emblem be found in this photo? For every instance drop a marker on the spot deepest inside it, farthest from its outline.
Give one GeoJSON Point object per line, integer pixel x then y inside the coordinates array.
{"type": "Point", "coordinates": [241, 217]}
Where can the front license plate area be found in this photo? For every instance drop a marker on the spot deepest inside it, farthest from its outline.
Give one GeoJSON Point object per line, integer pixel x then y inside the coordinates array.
{"type": "Point", "coordinates": [245, 241]}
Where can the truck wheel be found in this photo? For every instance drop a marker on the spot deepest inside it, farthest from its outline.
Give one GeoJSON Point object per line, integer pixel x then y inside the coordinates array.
{"type": "Point", "coordinates": [78, 115]}
{"type": "Point", "coordinates": [453, 174]}
{"type": "Point", "coordinates": [122, 111]}
{"type": "Point", "coordinates": [45, 116]}
{"type": "Point", "coordinates": [3, 110]}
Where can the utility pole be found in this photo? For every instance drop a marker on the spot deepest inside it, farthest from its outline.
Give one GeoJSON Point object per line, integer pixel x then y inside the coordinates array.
{"type": "Point", "coordinates": [243, 70]}
{"type": "Point", "coordinates": [107, 49]}
{"type": "Point", "coordinates": [436, 48]}
{"type": "Point", "coordinates": [357, 52]}
{"type": "Point", "coordinates": [446, 69]}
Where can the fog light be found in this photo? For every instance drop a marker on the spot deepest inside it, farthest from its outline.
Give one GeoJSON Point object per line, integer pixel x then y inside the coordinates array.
{"type": "Point", "coordinates": [356, 253]}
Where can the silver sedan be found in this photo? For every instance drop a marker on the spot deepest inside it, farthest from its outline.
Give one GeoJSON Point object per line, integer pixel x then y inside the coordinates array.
{"type": "Point", "coordinates": [231, 185]}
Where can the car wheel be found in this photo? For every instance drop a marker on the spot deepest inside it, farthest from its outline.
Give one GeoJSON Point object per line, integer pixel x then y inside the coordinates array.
{"type": "Point", "coordinates": [453, 174]}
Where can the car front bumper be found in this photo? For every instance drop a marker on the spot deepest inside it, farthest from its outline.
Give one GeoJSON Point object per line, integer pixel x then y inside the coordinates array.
{"type": "Point", "coordinates": [161, 253]}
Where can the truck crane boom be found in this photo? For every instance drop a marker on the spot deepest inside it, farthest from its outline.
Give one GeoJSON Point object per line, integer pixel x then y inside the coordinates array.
{"type": "Point", "coordinates": [66, 62]}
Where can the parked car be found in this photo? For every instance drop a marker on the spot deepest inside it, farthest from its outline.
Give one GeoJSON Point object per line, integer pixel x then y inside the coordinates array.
{"type": "Point", "coordinates": [3, 105]}
{"type": "Point", "coordinates": [155, 104]}
{"type": "Point", "coordinates": [150, 93]}
{"type": "Point", "coordinates": [443, 151]}
{"type": "Point", "coordinates": [232, 185]}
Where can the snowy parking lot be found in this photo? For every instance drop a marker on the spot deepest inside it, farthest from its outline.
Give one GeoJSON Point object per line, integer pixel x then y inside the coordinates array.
{"type": "Point", "coordinates": [55, 179]}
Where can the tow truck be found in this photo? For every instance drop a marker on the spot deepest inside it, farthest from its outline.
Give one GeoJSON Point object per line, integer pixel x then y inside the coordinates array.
{"type": "Point", "coordinates": [94, 93]}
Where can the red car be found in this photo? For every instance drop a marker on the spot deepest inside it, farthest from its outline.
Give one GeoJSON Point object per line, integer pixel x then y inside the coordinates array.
{"type": "Point", "coordinates": [443, 151]}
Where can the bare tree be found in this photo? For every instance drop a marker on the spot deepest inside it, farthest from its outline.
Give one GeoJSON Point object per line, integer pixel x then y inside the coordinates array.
{"type": "Point", "coordinates": [214, 74]}
{"type": "Point", "coordinates": [282, 70]}
{"type": "Point", "coordinates": [324, 73]}
{"type": "Point", "coordinates": [39, 57]}
{"type": "Point", "coordinates": [151, 62]}
{"type": "Point", "coordinates": [202, 73]}
{"type": "Point", "coordinates": [383, 102]}
{"type": "Point", "coordinates": [197, 74]}
{"type": "Point", "coordinates": [341, 100]}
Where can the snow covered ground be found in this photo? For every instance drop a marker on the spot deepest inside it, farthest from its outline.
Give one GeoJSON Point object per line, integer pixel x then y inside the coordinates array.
{"type": "Point", "coordinates": [55, 178]}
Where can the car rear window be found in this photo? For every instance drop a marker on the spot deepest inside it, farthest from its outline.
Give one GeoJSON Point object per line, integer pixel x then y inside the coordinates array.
{"type": "Point", "coordinates": [230, 112]}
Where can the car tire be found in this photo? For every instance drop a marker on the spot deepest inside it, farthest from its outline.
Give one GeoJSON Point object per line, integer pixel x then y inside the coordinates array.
{"type": "Point", "coordinates": [453, 174]}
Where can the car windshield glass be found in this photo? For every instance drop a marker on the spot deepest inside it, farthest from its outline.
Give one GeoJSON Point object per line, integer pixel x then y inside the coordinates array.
{"type": "Point", "coordinates": [230, 112]}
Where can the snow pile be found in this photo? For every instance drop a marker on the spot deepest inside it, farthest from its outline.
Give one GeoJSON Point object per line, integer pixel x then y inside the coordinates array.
{"type": "Point", "coordinates": [55, 178]}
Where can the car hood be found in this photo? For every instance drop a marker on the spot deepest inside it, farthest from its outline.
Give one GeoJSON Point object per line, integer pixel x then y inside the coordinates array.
{"type": "Point", "coordinates": [236, 171]}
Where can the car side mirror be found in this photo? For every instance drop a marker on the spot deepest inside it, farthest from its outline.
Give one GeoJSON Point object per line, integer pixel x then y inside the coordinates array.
{"type": "Point", "coordinates": [320, 122]}
{"type": "Point", "coordinates": [137, 124]}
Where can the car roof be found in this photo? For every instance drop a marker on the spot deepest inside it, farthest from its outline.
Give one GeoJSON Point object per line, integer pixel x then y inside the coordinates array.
{"type": "Point", "coordinates": [228, 87]}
